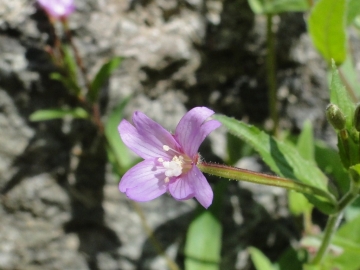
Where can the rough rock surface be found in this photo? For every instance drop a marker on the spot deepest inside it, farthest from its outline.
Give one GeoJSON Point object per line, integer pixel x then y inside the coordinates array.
{"type": "Point", "coordinates": [60, 207]}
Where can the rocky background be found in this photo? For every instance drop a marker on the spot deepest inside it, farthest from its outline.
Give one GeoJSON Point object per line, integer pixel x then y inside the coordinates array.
{"type": "Point", "coordinates": [61, 209]}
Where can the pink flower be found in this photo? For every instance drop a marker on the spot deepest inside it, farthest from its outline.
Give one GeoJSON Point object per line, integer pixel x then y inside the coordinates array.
{"type": "Point", "coordinates": [58, 8]}
{"type": "Point", "coordinates": [169, 163]}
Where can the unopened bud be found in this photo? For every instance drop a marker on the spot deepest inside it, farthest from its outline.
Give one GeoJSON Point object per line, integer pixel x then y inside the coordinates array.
{"type": "Point", "coordinates": [357, 117]}
{"type": "Point", "coordinates": [335, 116]}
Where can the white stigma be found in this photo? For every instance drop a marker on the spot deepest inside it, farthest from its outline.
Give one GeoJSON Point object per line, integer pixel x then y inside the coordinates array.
{"type": "Point", "coordinates": [173, 167]}
{"type": "Point", "coordinates": [176, 166]}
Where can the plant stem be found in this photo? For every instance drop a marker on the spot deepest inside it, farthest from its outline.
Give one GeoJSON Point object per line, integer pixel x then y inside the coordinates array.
{"type": "Point", "coordinates": [330, 229]}
{"type": "Point", "coordinates": [78, 59]}
{"type": "Point", "coordinates": [271, 75]}
{"type": "Point", "coordinates": [334, 221]}
{"type": "Point", "coordinates": [263, 179]}
{"type": "Point", "coordinates": [172, 265]}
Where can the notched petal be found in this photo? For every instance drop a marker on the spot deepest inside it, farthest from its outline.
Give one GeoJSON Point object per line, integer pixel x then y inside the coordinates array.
{"type": "Point", "coordinates": [189, 132]}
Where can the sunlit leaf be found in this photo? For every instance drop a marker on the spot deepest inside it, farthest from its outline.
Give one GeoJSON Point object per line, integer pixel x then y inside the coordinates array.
{"type": "Point", "coordinates": [282, 158]}
{"type": "Point", "coordinates": [340, 97]}
{"type": "Point", "coordinates": [261, 262]}
{"type": "Point", "coordinates": [326, 26]}
{"type": "Point", "coordinates": [329, 161]}
{"type": "Point", "coordinates": [203, 239]}
{"type": "Point", "coordinates": [50, 114]}
{"type": "Point", "coordinates": [102, 75]}
{"type": "Point", "coordinates": [298, 204]}
{"type": "Point", "coordinates": [305, 143]}
{"type": "Point", "coordinates": [119, 153]}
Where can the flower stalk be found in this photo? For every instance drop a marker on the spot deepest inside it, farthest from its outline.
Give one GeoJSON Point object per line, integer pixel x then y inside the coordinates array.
{"type": "Point", "coordinates": [263, 179]}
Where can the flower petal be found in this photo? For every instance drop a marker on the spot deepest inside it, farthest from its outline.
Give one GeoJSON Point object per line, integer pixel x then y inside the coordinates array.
{"type": "Point", "coordinates": [144, 144]}
{"type": "Point", "coordinates": [153, 133]}
{"type": "Point", "coordinates": [203, 191]}
{"type": "Point", "coordinates": [144, 181]}
{"type": "Point", "coordinates": [181, 188]}
{"type": "Point", "coordinates": [191, 130]}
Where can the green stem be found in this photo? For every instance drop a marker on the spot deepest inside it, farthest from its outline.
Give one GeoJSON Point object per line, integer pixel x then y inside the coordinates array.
{"type": "Point", "coordinates": [330, 229]}
{"type": "Point", "coordinates": [264, 179]}
{"type": "Point", "coordinates": [271, 75]}
{"type": "Point", "coordinates": [334, 221]}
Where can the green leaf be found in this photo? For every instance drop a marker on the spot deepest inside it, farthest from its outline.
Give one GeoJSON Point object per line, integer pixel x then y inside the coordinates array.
{"type": "Point", "coordinates": [347, 238]}
{"type": "Point", "coordinates": [261, 262]}
{"type": "Point", "coordinates": [51, 114]}
{"type": "Point", "coordinates": [118, 152]}
{"type": "Point", "coordinates": [278, 6]}
{"type": "Point", "coordinates": [290, 259]}
{"type": "Point", "coordinates": [236, 149]}
{"type": "Point", "coordinates": [70, 63]}
{"type": "Point", "coordinates": [326, 26]}
{"type": "Point", "coordinates": [340, 97]}
{"type": "Point", "coordinates": [329, 162]}
{"type": "Point", "coordinates": [102, 75]}
{"type": "Point", "coordinates": [349, 72]}
{"type": "Point", "coordinates": [282, 158]}
{"type": "Point", "coordinates": [353, 210]}
{"type": "Point", "coordinates": [69, 83]}
{"type": "Point", "coordinates": [305, 143]}
{"type": "Point", "coordinates": [203, 239]}
{"type": "Point", "coordinates": [298, 204]}
{"type": "Point", "coordinates": [353, 11]}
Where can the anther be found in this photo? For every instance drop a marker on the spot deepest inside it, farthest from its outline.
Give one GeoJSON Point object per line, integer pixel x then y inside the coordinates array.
{"type": "Point", "coordinates": [167, 148]}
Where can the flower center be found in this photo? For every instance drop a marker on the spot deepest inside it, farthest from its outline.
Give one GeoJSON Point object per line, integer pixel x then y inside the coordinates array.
{"type": "Point", "coordinates": [179, 164]}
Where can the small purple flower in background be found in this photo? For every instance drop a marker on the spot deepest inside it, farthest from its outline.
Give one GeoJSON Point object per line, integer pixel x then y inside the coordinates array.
{"type": "Point", "coordinates": [58, 8]}
{"type": "Point", "coordinates": [169, 163]}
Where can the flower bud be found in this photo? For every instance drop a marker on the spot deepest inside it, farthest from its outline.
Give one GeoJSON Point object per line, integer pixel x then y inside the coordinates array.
{"type": "Point", "coordinates": [357, 117]}
{"type": "Point", "coordinates": [57, 8]}
{"type": "Point", "coordinates": [335, 117]}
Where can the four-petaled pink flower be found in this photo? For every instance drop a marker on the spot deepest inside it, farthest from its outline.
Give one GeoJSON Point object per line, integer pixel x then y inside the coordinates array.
{"type": "Point", "coordinates": [58, 8]}
{"type": "Point", "coordinates": [170, 161]}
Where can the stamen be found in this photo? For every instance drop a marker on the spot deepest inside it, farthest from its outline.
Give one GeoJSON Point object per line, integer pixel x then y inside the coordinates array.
{"type": "Point", "coordinates": [167, 148]}
{"type": "Point", "coordinates": [167, 180]}
{"type": "Point", "coordinates": [161, 160]}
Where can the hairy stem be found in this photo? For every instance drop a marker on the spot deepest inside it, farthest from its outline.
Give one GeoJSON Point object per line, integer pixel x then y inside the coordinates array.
{"type": "Point", "coordinates": [264, 179]}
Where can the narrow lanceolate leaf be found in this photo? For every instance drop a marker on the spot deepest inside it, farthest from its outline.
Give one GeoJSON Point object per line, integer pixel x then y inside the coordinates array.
{"type": "Point", "coordinates": [278, 6]}
{"type": "Point", "coordinates": [260, 261]}
{"type": "Point", "coordinates": [119, 153]}
{"type": "Point", "coordinates": [327, 29]}
{"type": "Point", "coordinates": [100, 78]}
{"type": "Point", "coordinates": [282, 158]}
{"type": "Point", "coordinates": [43, 115]}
